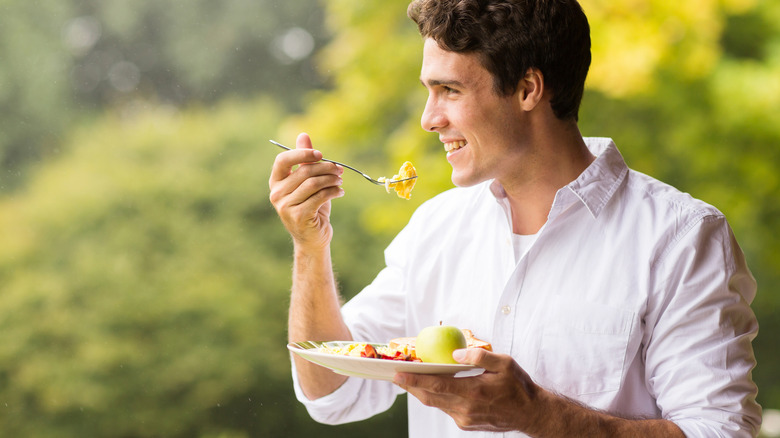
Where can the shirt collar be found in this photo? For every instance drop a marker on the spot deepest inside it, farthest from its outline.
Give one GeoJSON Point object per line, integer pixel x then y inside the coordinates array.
{"type": "Point", "coordinates": [595, 185]}
{"type": "Point", "coordinates": [599, 181]}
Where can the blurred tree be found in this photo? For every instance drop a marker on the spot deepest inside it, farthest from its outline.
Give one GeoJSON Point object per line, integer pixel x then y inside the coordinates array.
{"type": "Point", "coordinates": [63, 61]}
{"type": "Point", "coordinates": [145, 280]}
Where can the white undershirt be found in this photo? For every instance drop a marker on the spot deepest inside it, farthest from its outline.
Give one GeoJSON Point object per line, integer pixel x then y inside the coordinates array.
{"type": "Point", "coordinates": [522, 243]}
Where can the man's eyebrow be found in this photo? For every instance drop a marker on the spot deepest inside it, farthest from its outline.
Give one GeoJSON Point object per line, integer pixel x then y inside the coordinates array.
{"type": "Point", "coordinates": [440, 82]}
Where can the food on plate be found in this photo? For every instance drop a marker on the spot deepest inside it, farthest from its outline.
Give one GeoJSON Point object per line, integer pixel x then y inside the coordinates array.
{"type": "Point", "coordinates": [360, 349]}
{"type": "Point", "coordinates": [403, 349]}
{"type": "Point", "coordinates": [436, 343]}
{"type": "Point", "coordinates": [473, 342]}
{"type": "Point", "coordinates": [404, 189]}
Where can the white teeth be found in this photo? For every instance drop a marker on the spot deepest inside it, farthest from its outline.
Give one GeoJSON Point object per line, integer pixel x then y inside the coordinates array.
{"type": "Point", "coordinates": [454, 145]}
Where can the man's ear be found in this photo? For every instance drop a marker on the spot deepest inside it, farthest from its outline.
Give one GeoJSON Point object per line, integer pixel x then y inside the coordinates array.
{"type": "Point", "coordinates": [531, 89]}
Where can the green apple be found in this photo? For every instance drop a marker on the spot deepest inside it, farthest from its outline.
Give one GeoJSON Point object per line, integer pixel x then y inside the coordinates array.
{"type": "Point", "coordinates": [435, 344]}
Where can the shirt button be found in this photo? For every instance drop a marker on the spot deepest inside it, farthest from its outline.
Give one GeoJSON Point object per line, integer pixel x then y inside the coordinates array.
{"type": "Point", "coordinates": [505, 310]}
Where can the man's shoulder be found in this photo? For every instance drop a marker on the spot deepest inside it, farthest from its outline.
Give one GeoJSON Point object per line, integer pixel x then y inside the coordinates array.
{"type": "Point", "coordinates": [664, 198]}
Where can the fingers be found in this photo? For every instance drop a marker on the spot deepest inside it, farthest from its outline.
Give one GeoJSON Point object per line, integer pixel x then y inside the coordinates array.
{"type": "Point", "coordinates": [304, 152]}
{"type": "Point", "coordinates": [285, 161]}
{"type": "Point", "coordinates": [303, 202]}
{"type": "Point", "coordinates": [306, 181]}
{"type": "Point", "coordinates": [430, 390]}
{"type": "Point", "coordinates": [417, 382]}
{"type": "Point", "coordinates": [301, 195]}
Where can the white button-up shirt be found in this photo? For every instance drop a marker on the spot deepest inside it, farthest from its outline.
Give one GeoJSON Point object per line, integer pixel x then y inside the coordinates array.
{"type": "Point", "coordinates": [634, 299]}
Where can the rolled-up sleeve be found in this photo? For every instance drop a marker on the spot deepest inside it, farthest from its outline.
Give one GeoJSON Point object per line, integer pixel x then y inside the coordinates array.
{"type": "Point", "coordinates": [699, 358]}
{"type": "Point", "coordinates": [355, 400]}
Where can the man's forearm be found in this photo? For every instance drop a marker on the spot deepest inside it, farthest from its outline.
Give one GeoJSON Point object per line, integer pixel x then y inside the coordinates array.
{"type": "Point", "coordinates": [561, 417]}
{"type": "Point", "coordinates": [315, 315]}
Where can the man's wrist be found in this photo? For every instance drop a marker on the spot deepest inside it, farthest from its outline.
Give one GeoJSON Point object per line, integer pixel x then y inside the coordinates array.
{"type": "Point", "coordinates": [550, 415]}
{"type": "Point", "coordinates": [557, 416]}
{"type": "Point", "coordinates": [309, 249]}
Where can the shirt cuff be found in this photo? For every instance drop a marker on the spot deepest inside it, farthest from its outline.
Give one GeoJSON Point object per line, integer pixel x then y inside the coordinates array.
{"type": "Point", "coordinates": [329, 409]}
{"type": "Point", "coordinates": [720, 424]}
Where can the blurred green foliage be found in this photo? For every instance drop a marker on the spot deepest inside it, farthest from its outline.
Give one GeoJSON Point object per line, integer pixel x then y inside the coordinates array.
{"type": "Point", "coordinates": [62, 61]}
{"type": "Point", "coordinates": [145, 280]}
{"type": "Point", "coordinates": [143, 273]}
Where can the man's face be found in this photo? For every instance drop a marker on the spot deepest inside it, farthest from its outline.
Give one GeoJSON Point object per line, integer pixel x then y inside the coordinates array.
{"type": "Point", "coordinates": [481, 131]}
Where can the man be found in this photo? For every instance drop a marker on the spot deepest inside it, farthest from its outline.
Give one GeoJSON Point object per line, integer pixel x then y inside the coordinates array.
{"type": "Point", "coordinates": [616, 305]}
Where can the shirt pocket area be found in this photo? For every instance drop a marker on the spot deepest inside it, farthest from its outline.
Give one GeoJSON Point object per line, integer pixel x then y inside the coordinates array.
{"type": "Point", "coordinates": [583, 347]}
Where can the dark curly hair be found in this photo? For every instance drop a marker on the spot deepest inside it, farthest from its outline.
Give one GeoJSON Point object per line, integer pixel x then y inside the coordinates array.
{"type": "Point", "coordinates": [511, 36]}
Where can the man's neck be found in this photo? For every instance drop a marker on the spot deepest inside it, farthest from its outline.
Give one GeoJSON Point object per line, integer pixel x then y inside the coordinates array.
{"type": "Point", "coordinates": [559, 159]}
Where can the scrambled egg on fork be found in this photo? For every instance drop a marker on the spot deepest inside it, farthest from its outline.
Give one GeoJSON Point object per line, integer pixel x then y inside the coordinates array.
{"type": "Point", "coordinates": [404, 189]}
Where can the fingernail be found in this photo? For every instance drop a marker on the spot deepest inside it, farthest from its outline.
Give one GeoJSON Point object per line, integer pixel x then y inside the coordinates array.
{"type": "Point", "coordinates": [459, 355]}
{"type": "Point", "coordinates": [399, 379]}
{"type": "Point", "coordinates": [317, 154]}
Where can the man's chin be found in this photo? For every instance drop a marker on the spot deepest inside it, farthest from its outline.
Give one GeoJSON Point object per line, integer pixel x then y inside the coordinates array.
{"type": "Point", "coordinates": [460, 181]}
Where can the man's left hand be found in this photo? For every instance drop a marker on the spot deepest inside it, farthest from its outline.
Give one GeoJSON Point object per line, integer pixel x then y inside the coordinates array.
{"type": "Point", "coordinates": [500, 399]}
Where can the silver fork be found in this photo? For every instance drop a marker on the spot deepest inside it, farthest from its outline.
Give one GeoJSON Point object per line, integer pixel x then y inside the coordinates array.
{"type": "Point", "coordinates": [379, 183]}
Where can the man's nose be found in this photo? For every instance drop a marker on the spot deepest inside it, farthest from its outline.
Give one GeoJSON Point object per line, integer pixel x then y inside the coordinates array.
{"type": "Point", "coordinates": [433, 117]}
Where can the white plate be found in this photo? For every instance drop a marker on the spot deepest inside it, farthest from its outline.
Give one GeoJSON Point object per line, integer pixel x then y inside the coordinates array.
{"type": "Point", "coordinates": [378, 369]}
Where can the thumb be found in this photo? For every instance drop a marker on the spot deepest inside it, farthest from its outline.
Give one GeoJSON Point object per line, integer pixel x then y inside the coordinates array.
{"type": "Point", "coordinates": [478, 357]}
{"type": "Point", "coordinates": [303, 141]}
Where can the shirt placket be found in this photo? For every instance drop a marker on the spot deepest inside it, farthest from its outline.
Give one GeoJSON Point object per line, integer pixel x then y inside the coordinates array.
{"type": "Point", "coordinates": [505, 313]}
{"type": "Point", "coordinates": [512, 317]}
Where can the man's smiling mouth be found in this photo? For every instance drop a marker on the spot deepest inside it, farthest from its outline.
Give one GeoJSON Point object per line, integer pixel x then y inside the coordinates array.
{"type": "Point", "coordinates": [454, 145]}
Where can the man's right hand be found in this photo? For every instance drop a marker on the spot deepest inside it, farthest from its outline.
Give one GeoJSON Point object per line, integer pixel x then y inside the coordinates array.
{"type": "Point", "coordinates": [302, 196]}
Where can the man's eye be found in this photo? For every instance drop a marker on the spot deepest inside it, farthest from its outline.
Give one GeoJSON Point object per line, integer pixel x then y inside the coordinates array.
{"type": "Point", "coordinates": [450, 90]}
